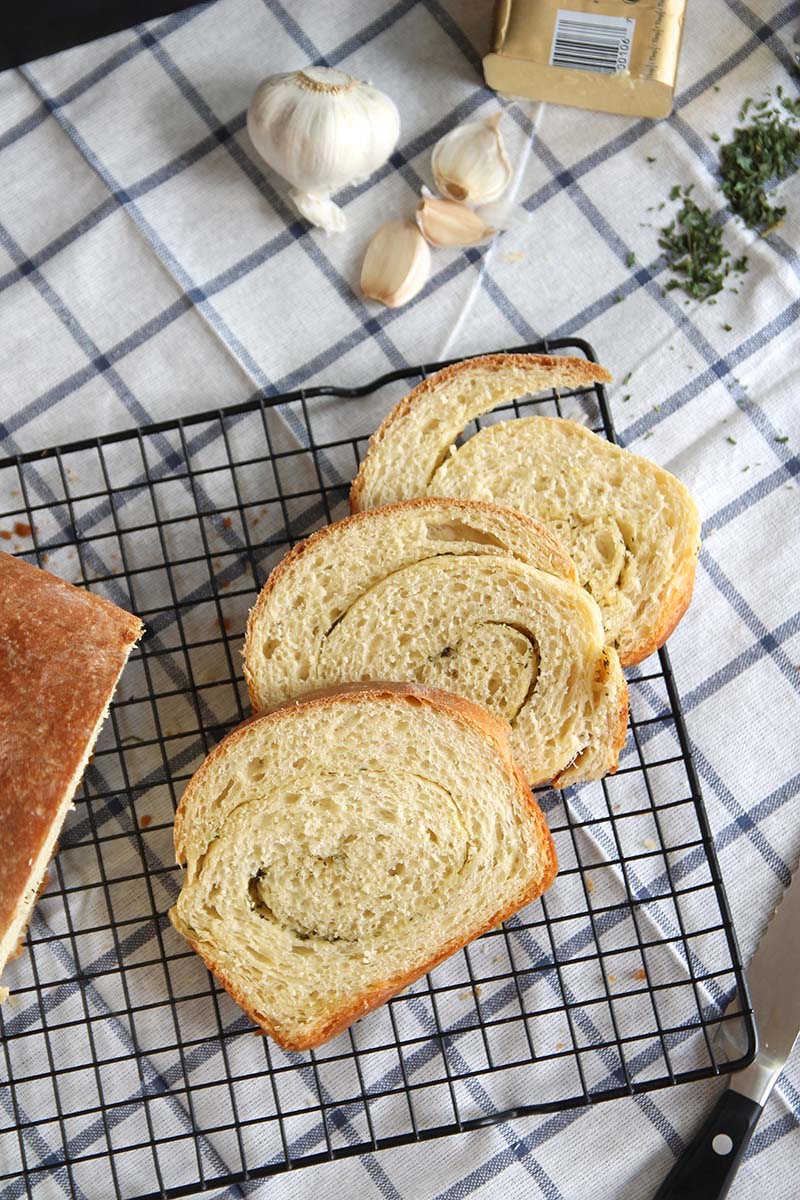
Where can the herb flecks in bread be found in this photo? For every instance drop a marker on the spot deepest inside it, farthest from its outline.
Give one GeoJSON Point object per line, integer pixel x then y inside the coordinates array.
{"type": "Point", "coordinates": [339, 847]}
{"type": "Point", "coordinates": [468, 597]}
{"type": "Point", "coordinates": [631, 528]}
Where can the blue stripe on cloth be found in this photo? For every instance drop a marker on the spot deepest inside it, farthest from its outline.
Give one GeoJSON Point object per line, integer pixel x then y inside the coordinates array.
{"type": "Point", "coordinates": [746, 614]}
{"type": "Point", "coordinates": [182, 276]}
{"type": "Point", "coordinates": [761, 811]}
{"type": "Point", "coordinates": [729, 801]}
{"type": "Point", "coordinates": [722, 369]}
{"type": "Point", "coordinates": [34, 1138]}
{"type": "Point", "coordinates": [87, 81]}
{"type": "Point", "coordinates": [765, 645]}
{"type": "Point", "coordinates": [296, 33]}
{"type": "Point", "coordinates": [64, 239]}
{"type": "Point", "coordinates": [458, 38]}
{"type": "Point", "coordinates": [765, 31]}
{"type": "Point", "coordinates": [370, 32]}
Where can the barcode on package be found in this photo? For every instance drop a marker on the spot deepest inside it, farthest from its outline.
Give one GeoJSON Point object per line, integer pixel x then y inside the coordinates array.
{"type": "Point", "coordinates": [592, 42]}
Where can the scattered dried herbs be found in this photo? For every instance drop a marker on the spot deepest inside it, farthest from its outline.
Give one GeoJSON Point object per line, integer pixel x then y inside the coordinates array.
{"type": "Point", "coordinates": [730, 439]}
{"type": "Point", "coordinates": [693, 246]}
{"type": "Point", "coordinates": [727, 327]}
{"type": "Point", "coordinates": [631, 259]}
{"type": "Point", "coordinates": [763, 152]}
{"type": "Point", "coordinates": [766, 150]}
{"type": "Point", "coordinates": [782, 439]}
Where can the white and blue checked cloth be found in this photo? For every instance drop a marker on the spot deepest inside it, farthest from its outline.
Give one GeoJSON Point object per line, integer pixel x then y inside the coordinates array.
{"type": "Point", "coordinates": [149, 267]}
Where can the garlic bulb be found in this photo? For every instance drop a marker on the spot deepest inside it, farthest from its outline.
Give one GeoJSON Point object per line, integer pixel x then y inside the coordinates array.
{"type": "Point", "coordinates": [470, 162]}
{"type": "Point", "coordinates": [448, 223]}
{"type": "Point", "coordinates": [397, 264]}
{"type": "Point", "coordinates": [322, 130]}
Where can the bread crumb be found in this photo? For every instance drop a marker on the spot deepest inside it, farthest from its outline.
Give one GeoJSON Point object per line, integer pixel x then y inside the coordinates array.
{"type": "Point", "coordinates": [145, 820]}
{"type": "Point", "coordinates": [590, 885]}
{"type": "Point", "coordinates": [513, 256]}
{"type": "Point", "coordinates": [227, 522]}
{"type": "Point", "coordinates": [612, 978]}
{"type": "Point", "coordinates": [640, 974]}
{"type": "Point", "coordinates": [559, 1045]}
{"type": "Point", "coordinates": [226, 624]}
{"type": "Point", "coordinates": [6, 534]}
{"type": "Point", "coordinates": [22, 529]}
{"type": "Point", "coordinates": [649, 844]}
{"type": "Point", "coordinates": [226, 583]}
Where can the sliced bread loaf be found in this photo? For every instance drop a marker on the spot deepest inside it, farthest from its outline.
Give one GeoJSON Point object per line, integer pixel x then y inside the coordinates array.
{"type": "Point", "coordinates": [61, 653]}
{"type": "Point", "coordinates": [341, 846]}
{"type": "Point", "coordinates": [631, 528]}
{"type": "Point", "coordinates": [470, 597]}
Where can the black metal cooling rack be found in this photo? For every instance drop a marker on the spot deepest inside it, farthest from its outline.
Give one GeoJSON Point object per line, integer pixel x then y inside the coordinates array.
{"type": "Point", "coordinates": [127, 1062]}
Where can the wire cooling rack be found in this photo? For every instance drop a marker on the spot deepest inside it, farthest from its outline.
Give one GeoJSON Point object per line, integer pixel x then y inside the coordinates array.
{"type": "Point", "coordinates": [127, 1062]}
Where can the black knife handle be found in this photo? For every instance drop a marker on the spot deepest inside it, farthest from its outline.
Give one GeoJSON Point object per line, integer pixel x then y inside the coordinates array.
{"type": "Point", "coordinates": [707, 1166]}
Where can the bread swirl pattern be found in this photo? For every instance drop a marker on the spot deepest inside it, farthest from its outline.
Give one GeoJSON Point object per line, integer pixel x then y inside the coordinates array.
{"type": "Point", "coordinates": [631, 528]}
{"type": "Point", "coordinates": [320, 882]}
{"type": "Point", "coordinates": [471, 598]}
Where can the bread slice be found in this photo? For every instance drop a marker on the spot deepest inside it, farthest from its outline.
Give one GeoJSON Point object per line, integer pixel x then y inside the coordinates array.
{"type": "Point", "coordinates": [341, 846]}
{"type": "Point", "coordinates": [62, 651]}
{"type": "Point", "coordinates": [470, 597]}
{"type": "Point", "coordinates": [631, 528]}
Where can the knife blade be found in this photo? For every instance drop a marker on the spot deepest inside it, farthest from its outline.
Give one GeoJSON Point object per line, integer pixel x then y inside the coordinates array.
{"type": "Point", "coordinates": [706, 1169]}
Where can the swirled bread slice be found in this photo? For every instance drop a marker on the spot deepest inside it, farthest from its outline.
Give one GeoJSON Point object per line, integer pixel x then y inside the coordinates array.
{"type": "Point", "coordinates": [473, 598]}
{"type": "Point", "coordinates": [631, 528]}
{"type": "Point", "coordinates": [341, 846]}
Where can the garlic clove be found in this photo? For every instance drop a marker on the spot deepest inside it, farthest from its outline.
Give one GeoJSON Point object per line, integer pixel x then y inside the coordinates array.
{"type": "Point", "coordinates": [470, 163]}
{"type": "Point", "coordinates": [322, 130]}
{"type": "Point", "coordinates": [448, 223]}
{"type": "Point", "coordinates": [397, 264]}
{"type": "Point", "coordinates": [320, 211]}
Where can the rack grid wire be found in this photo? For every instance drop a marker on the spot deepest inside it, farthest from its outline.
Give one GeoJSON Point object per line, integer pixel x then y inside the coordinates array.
{"type": "Point", "coordinates": [126, 1060]}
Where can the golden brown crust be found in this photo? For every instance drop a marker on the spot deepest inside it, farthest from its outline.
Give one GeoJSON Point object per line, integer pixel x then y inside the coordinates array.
{"type": "Point", "coordinates": [670, 617]}
{"type": "Point", "coordinates": [567, 567]}
{"type": "Point", "coordinates": [575, 372]}
{"type": "Point", "coordinates": [498, 731]}
{"type": "Point", "coordinates": [61, 652]}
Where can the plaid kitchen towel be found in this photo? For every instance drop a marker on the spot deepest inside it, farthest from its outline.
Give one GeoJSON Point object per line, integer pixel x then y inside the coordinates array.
{"type": "Point", "coordinates": [152, 267]}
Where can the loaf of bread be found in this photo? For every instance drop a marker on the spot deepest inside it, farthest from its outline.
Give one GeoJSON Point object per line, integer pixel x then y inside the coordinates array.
{"type": "Point", "coordinates": [62, 651]}
{"type": "Point", "coordinates": [469, 597]}
{"type": "Point", "coordinates": [341, 846]}
{"type": "Point", "coordinates": [631, 528]}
